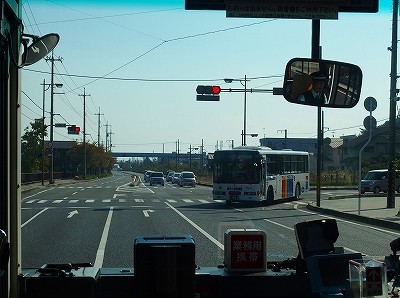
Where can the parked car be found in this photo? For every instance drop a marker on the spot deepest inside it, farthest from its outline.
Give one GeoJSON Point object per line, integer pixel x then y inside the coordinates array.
{"type": "Point", "coordinates": [187, 178]}
{"type": "Point", "coordinates": [175, 177]}
{"type": "Point", "coordinates": [170, 174]}
{"type": "Point", "coordinates": [156, 178]}
{"type": "Point", "coordinates": [377, 180]}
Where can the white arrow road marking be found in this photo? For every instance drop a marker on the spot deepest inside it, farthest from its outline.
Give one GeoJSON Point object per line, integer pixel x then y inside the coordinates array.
{"type": "Point", "coordinates": [72, 213]}
{"type": "Point", "coordinates": [146, 212]}
{"type": "Point", "coordinates": [118, 194]}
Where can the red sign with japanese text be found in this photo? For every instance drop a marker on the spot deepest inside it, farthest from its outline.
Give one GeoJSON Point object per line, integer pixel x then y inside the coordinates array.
{"type": "Point", "coordinates": [247, 251]}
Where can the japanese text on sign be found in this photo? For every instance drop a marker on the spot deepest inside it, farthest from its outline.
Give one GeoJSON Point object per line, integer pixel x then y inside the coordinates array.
{"type": "Point", "coordinates": [247, 251]}
{"type": "Point", "coordinates": [281, 11]}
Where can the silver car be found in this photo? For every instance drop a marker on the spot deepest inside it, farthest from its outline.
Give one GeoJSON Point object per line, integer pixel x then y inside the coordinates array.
{"type": "Point", "coordinates": [156, 178]}
{"type": "Point", "coordinates": [187, 178]}
{"type": "Point", "coordinates": [175, 177]}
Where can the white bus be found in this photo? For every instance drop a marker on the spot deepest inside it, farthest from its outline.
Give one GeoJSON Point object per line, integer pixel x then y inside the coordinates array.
{"type": "Point", "coordinates": [259, 174]}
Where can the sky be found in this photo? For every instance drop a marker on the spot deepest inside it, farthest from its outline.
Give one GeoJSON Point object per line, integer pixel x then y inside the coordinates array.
{"type": "Point", "coordinates": [139, 63]}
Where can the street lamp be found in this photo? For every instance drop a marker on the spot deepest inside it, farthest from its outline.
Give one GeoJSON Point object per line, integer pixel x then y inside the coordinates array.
{"type": "Point", "coordinates": [43, 108]}
{"type": "Point", "coordinates": [190, 155]}
{"type": "Point", "coordinates": [285, 131]}
{"type": "Point", "coordinates": [245, 104]}
{"type": "Point", "coordinates": [254, 135]}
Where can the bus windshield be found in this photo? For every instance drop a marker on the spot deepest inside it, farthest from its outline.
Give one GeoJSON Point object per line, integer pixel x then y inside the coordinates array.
{"type": "Point", "coordinates": [236, 167]}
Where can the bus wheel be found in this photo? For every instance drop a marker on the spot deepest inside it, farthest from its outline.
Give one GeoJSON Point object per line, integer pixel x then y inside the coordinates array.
{"type": "Point", "coordinates": [297, 191]}
{"type": "Point", "coordinates": [270, 196]}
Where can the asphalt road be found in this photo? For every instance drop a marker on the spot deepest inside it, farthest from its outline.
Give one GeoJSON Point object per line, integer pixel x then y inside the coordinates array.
{"type": "Point", "coordinates": [97, 222]}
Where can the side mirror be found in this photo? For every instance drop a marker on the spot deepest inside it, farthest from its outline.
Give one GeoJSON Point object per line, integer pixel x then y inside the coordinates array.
{"type": "Point", "coordinates": [324, 83]}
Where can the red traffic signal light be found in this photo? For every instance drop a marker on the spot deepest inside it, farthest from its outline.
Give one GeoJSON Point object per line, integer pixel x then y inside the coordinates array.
{"type": "Point", "coordinates": [74, 130]}
{"type": "Point", "coordinates": [208, 89]}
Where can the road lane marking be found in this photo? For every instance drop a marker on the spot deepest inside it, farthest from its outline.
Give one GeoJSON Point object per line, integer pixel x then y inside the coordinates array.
{"type": "Point", "coordinates": [33, 217]}
{"type": "Point", "coordinates": [72, 213]}
{"type": "Point", "coordinates": [57, 201]}
{"type": "Point", "coordinates": [347, 221]}
{"type": "Point", "coordinates": [103, 241]}
{"type": "Point", "coordinates": [146, 212]}
{"type": "Point", "coordinates": [211, 238]}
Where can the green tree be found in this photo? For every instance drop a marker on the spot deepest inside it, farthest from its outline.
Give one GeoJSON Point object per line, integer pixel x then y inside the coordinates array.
{"type": "Point", "coordinates": [98, 161]}
{"type": "Point", "coordinates": [31, 147]}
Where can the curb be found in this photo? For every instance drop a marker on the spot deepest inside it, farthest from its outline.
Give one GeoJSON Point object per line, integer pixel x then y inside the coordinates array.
{"type": "Point", "coordinates": [359, 218]}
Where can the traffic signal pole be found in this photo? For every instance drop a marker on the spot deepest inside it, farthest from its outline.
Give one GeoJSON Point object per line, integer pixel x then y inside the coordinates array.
{"type": "Point", "coordinates": [51, 145]}
{"type": "Point", "coordinates": [316, 54]}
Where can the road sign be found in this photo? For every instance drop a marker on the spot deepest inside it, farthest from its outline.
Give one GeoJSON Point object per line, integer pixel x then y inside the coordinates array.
{"type": "Point", "coordinates": [207, 97]}
{"type": "Point", "coordinates": [277, 9]}
{"type": "Point", "coordinates": [367, 6]}
{"type": "Point", "coordinates": [369, 122]}
{"type": "Point", "coordinates": [370, 104]}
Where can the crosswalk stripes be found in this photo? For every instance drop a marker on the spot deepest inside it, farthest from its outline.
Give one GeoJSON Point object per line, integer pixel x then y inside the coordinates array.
{"type": "Point", "coordinates": [73, 201]}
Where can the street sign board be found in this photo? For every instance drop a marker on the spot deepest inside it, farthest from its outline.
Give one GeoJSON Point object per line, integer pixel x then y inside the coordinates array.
{"type": "Point", "coordinates": [370, 104]}
{"type": "Point", "coordinates": [241, 9]}
{"type": "Point", "coordinates": [207, 97]}
{"type": "Point", "coordinates": [367, 6]}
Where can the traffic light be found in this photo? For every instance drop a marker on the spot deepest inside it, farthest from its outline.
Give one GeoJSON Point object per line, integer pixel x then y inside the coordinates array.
{"type": "Point", "coordinates": [208, 93]}
{"type": "Point", "coordinates": [73, 130]}
{"type": "Point", "coordinates": [215, 90]}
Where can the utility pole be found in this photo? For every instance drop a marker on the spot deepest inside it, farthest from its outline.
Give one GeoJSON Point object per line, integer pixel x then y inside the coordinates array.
{"type": "Point", "coordinates": [107, 136]}
{"type": "Point", "coordinates": [392, 111]}
{"type": "Point", "coordinates": [110, 133]}
{"type": "Point", "coordinates": [51, 144]}
{"type": "Point", "coordinates": [98, 128]}
{"type": "Point", "coordinates": [84, 132]}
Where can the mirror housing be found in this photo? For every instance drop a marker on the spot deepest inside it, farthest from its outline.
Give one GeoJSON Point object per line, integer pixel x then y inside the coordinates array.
{"type": "Point", "coordinates": [325, 83]}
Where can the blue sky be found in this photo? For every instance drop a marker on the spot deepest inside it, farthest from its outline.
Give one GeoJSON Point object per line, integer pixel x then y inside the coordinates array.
{"type": "Point", "coordinates": [154, 54]}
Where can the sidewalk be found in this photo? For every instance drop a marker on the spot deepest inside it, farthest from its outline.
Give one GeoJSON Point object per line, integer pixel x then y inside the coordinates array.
{"type": "Point", "coordinates": [370, 210]}
{"type": "Point", "coordinates": [38, 185]}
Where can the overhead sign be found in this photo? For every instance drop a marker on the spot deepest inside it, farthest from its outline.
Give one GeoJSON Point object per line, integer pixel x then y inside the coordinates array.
{"type": "Point", "coordinates": [367, 6]}
{"type": "Point", "coordinates": [261, 9]}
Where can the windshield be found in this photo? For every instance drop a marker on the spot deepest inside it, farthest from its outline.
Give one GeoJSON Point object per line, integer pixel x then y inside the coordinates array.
{"type": "Point", "coordinates": [187, 175]}
{"type": "Point", "coordinates": [157, 175]}
{"type": "Point", "coordinates": [241, 167]}
{"type": "Point", "coordinates": [375, 176]}
{"type": "Point", "coordinates": [124, 74]}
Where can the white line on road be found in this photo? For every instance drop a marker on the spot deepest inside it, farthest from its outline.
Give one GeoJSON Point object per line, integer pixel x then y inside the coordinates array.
{"type": "Point", "coordinates": [103, 241]}
{"type": "Point", "coordinates": [72, 213]}
{"type": "Point", "coordinates": [347, 221]}
{"type": "Point", "coordinates": [33, 217]}
{"type": "Point", "coordinates": [211, 238]}
{"type": "Point", "coordinates": [146, 212]}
